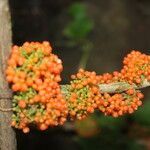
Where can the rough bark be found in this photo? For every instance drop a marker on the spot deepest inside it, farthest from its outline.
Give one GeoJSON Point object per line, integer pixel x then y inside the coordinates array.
{"type": "Point", "coordinates": [7, 135]}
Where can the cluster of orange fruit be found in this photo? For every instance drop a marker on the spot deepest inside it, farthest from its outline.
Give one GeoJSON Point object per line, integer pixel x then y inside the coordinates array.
{"type": "Point", "coordinates": [120, 104]}
{"type": "Point", "coordinates": [34, 74]}
{"type": "Point", "coordinates": [83, 95]}
{"type": "Point", "coordinates": [136, 67]}
{"type": "Point", "coordinates": [136, 70]}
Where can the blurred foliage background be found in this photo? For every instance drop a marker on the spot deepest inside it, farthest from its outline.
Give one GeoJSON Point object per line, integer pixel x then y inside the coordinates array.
{"type": "Point", "coordinates": [94, 35]}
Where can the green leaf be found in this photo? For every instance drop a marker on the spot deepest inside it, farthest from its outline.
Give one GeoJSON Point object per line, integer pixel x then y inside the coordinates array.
{"type": "Point", "coordinates": [80, 24]}
{"type": "Point", "coordinates": [77, 10]}
{"type": "Point", "coordinates": [79, 29]}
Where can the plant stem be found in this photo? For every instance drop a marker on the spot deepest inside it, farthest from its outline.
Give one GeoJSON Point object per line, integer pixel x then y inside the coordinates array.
{"type": "Point", "coordinates": [116, 87]}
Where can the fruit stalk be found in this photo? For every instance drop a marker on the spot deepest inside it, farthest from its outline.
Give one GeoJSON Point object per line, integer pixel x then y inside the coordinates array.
{"type": "Point", "coordinates": [115, 87]}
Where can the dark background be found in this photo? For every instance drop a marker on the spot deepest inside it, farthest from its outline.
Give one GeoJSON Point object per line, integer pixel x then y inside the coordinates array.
{"type": "Point", "coordinates": [119, 26]}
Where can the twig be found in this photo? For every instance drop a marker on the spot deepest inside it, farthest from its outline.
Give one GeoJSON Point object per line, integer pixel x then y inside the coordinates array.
{"type": "Point", "coordinates": [116, 87]}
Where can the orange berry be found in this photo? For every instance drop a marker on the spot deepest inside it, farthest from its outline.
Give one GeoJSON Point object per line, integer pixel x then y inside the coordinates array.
{"type": "Point", "coordinates": [22, 103]}
{"type": "Point", "coordinates": [43, 127]}
{"type": "Point", "coordinates": [26, 130]}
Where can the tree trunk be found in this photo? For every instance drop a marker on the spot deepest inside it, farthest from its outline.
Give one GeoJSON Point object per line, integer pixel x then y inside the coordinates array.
{"type": "Point", "coordinates": [7, 134]}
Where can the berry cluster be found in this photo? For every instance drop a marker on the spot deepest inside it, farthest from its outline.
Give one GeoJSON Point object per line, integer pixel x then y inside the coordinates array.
{"type": "Point", "coordinates": [83, 95]}
{"type": "Point", "coordinates": [34, 73]}
{"type": "Point", "coordinates": [119, 104]}
{"type": "Point", "coordinates": [136, 70]}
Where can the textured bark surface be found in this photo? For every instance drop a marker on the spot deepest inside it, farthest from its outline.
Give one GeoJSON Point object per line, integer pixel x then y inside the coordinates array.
{"type": "Point", "coordinates": [7, 135]}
